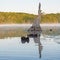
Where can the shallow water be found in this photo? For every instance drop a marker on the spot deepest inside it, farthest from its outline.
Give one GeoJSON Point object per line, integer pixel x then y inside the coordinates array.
{"type": "Point", "coordinates": [38, 48]}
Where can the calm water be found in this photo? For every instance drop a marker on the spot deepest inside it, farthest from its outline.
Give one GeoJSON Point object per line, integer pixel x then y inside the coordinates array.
{"type": "Point", "coordinates": [38, 48]}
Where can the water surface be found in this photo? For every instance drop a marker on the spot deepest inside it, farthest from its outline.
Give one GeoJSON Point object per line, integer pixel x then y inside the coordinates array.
{"type": "Point", "coordinates": [38, 48]}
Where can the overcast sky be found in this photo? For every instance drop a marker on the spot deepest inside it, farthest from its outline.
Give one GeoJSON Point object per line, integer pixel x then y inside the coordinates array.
{"type": "Point", "coordinates": [30, 6]}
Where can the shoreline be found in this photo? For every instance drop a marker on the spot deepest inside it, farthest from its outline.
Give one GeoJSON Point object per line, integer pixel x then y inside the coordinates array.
{"type": "Point", "coordinates": [29, 24]}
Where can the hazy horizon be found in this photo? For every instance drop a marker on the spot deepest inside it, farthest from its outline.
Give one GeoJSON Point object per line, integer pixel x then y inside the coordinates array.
{"type": "Point", "coordinates": [31, 7]}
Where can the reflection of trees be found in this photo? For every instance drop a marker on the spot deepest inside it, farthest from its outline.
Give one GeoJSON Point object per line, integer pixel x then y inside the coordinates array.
{"type": "Point", "coordinates": [12, 32]}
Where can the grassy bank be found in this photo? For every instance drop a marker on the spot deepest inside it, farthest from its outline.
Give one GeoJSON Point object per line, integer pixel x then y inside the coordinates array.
{"type": "Point", "coordinates": [19, 18]}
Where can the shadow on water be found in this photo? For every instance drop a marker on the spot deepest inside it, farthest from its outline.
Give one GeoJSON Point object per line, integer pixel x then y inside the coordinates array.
{"type": "Point", "coordinates": [36, 41]}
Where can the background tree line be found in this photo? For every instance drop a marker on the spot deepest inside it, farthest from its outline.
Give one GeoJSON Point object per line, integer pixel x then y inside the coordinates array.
{"type": "Point", "coordinates": [14, 18]}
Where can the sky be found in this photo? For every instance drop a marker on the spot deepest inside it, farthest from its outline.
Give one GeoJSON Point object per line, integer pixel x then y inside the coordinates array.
{"type": "Point", "coordinates": [30, 6]}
